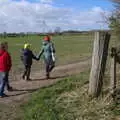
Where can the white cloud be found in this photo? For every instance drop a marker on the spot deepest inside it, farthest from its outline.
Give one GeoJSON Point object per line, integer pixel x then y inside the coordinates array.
{"type": "Point", "coordinates": [25, 16]}
{"type": "Point", "coordinates": [46, 1]}
{"type": "Point", "coordinates": [97, 9]}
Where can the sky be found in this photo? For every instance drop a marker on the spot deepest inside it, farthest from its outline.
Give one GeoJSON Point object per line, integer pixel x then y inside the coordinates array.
{"type": "Point", "coordinates": [47, 15]}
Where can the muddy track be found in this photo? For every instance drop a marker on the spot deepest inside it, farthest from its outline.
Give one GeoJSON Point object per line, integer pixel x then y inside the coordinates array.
{"type": "Point", "coordinates": [23, 89]}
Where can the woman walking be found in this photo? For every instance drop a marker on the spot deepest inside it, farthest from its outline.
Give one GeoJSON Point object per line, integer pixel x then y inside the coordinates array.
{"type": "Point", "coordinates": [48, 52]}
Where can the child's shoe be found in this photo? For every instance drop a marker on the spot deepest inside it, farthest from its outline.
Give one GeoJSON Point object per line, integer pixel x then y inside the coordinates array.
{"type": "Point", "coordinates": [3, 95]}
{"type": "Point", "coordinates": [28, 79]}
{"type": "Point", "coordinates": [23, 77]}
{"type": "Point", "coordinates": [47, 76]}
{"type": "Point", "coordinates": [10, 88]}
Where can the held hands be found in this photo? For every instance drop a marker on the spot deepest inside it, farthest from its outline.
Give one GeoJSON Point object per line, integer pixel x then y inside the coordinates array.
{"type": "Point", "coordinates": [37, 58]}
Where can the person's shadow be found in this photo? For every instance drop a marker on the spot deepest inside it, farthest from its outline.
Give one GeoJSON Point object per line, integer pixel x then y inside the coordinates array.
{"type": "Point", "coordinates": [51, 78]}
{"type": "Point", "coordinates": [26, 91]}
{"type": "Point", "coordinates": [23, 91]}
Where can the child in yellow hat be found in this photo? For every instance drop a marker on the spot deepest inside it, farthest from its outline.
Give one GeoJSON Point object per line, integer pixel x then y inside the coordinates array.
{"type": "Point", "coordinates": [27, 56]}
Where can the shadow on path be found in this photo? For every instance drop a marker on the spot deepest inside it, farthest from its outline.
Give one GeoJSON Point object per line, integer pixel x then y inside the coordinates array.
{"type": "Point", "coordinates": [51, 78]}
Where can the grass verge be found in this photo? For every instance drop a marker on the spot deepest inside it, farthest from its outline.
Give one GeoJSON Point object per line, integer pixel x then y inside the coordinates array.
{"type": "Point", "coordinates": [67, 100]}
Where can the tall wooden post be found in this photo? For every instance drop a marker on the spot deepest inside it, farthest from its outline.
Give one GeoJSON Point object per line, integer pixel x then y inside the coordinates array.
{"type": "Point", "coordinates": [113, 71]}
{"type": "Point", "coordinates": [99, 58]}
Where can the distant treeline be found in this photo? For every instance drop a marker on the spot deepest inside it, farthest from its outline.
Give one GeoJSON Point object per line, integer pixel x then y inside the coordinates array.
{"type": "Point", "coordinates": [70, 32]}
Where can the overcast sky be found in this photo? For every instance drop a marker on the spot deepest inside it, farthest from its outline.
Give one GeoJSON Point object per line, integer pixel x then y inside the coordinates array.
{"type": "Point", "coordinates": [44, 15]}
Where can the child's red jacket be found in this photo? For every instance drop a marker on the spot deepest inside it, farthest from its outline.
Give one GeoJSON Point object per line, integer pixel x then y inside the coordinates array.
{"type": "Point", "coordinates": [5, 61]}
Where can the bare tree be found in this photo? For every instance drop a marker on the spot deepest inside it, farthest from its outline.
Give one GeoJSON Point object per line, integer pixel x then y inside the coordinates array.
{"type": "Point", "coordinates": [116, 2]}
{"type": "Point", "coordinates": [57, 30]}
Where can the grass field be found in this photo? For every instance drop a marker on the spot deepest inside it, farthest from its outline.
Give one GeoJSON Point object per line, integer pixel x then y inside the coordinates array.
{"type": "Point", "coordinates": [69, 48]}
{"type": "Point", "coordinates": [68, 99]}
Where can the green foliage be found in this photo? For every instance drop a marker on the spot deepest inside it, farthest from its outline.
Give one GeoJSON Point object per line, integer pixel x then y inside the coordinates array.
{"type": "Point", "coordinates": [115, 24]}
{"type": "Point", "coordinates": [115, 18]}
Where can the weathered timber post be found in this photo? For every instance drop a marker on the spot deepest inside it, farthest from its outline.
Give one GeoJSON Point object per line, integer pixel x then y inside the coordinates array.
{"type": "Point", "coordinates": [113, 71]}
{"type": "Point", "coordinates": [99, 58]}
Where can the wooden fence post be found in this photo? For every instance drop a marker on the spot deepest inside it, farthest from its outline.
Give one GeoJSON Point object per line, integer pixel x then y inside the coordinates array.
{"type": "Point", "coordinates": [99, 58]}
{"type": "Point", "coordinates": [113, 71]}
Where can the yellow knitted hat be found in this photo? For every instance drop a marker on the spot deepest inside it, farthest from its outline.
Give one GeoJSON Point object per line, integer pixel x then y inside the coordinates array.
{"type": "Point", "coordinates": [27, 46]}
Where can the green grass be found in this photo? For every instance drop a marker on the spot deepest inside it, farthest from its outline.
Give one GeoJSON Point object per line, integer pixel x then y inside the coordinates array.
{"type": "Point", "coordinates": [67, 100]}
{"type": "Point", "coordinates": [47, 103]}
{"type": "Point", "coordinates": [69, 49]}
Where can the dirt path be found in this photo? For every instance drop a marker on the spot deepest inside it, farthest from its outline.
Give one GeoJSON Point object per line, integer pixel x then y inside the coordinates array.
{"type": "Point", "coordinates": [23, 89]}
